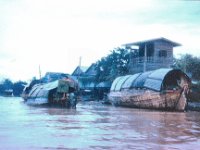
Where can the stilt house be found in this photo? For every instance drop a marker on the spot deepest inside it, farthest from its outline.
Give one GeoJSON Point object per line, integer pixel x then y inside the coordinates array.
{"type": "Point", "coordinates": [151, 54]}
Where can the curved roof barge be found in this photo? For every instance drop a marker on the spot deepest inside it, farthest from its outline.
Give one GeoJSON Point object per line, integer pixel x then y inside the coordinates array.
{"type": "Point", "coordinates": [57, 93]}
{"type": "Point", "coordinates": [164, 89]}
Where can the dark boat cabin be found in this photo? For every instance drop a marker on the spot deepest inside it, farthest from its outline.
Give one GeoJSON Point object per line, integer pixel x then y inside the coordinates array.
{"type": "Point", "coordinates": [151, 54]}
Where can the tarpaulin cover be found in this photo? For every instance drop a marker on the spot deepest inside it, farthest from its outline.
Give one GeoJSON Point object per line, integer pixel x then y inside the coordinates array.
{"type": "Point", "coordinates": [42, 90]}
{"type": "Point", "coordinates": [129, 81]}
{"type": "Point", "coordinates": [151, 79]}
{"type": "Point", "coordinates": [121, 82]}
{"type": "Point", "coordinates": [115, 83]}
{"type": "Point", "coordinates": [140, 80]}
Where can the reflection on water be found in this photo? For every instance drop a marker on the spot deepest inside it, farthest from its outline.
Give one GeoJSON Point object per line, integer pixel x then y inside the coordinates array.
{"type": "Point", "coordinates": [95, 126]}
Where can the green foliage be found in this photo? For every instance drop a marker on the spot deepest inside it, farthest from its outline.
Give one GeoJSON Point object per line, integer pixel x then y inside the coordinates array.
{"type": "Point", "coordinates": [115, 64]}
{"type": "Point", "coordinates": [194, 94]}
{"type": "Point", "coordinates": [6, 85]}
{"type": "Point", "coordinates": [189, 64]}
{"type": "Point", "coordinates": [17, 87]}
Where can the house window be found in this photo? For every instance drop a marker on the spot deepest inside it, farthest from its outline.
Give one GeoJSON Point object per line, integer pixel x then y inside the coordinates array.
{"type": "Point", "coordinates": [162, 53]}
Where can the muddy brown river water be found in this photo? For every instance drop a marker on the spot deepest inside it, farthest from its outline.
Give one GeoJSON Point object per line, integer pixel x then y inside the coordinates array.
{"type": "Point", "coordinates": [93, 125]}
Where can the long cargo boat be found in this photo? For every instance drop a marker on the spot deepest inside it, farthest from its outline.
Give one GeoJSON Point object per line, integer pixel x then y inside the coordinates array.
{"type": "Point", "coordinates": [164, 89]}
{"type": "Point", "coordinates": [59, 93]}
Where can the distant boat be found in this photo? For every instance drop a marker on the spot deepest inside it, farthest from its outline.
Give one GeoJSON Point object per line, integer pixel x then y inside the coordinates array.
{"type": "Point", "coordinates": [164, 89]}
{"type": "Point", "coordinates": [60, 93]}
{"type": "Point", "coordinates": [8, 93]}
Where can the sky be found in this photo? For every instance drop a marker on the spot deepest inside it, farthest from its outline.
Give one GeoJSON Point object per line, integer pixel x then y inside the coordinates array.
{"type": "Point", "coordinates": [54, 34]}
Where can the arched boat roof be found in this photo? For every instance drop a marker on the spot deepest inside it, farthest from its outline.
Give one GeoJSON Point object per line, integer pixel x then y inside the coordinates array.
{"type": "Point", "coordinates": [42, 90]}
{"type": "Point", "coordinates": [151, 79]}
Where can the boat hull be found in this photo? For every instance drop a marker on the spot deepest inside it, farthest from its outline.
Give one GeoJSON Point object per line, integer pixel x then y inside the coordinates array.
{"type": "Point", "coordinates": [63, 103]}
{"type": "Point", "coordinates": [148, 99]}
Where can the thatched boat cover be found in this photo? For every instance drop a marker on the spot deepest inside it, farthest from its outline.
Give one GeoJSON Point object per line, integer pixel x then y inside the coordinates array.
{"type": "Point", "coordinates": [154, 80]}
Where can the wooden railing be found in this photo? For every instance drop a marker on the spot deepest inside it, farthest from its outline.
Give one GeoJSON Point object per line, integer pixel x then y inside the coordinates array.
{"type": "Point", "coordinates": [152, 60]}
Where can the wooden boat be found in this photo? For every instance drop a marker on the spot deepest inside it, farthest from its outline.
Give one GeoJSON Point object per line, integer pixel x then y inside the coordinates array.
{"type": "Point", "coordinates": [60, 93]}
{"type": "Point", "coordinates": [164, 89]}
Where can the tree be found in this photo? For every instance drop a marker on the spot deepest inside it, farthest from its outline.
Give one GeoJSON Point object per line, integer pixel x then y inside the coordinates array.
{"type": "Point", "coordinates": [6, 85]}
{"type": "Point", "coordinates": [18, 88]}
{"type": "Point", "coordinates": [115, 64]}
{"type": "Point", "coordinates": [190, 65]}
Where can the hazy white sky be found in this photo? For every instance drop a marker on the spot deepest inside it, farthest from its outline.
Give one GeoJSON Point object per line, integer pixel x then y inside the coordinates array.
{"type": "Point", "coordinates": [55, 33]}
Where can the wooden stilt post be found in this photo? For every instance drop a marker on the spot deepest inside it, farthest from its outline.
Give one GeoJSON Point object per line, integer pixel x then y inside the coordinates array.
{"type": "Point", "coordinates": [145, 58]}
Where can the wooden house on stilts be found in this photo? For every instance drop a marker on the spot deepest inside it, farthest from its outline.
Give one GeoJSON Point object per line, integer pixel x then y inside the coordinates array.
{"type": "Point", "coordinates": [151, 54]}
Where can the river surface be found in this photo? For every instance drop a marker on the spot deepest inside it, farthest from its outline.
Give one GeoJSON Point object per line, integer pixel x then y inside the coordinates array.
{"type": "Point", "coordinates": [93, 125]}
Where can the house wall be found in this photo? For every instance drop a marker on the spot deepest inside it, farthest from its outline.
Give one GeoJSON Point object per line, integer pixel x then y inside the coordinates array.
{"type": "Point", "coordinates": [164, 46]}
{"type": "Point", "coordinates": [161, 57]}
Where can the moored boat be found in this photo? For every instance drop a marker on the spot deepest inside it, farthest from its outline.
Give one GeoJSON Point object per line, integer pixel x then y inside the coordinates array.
{"type": "Point", "coordinates": [60, 93]}
{"type": "Point", "coordinates": [164, 89]}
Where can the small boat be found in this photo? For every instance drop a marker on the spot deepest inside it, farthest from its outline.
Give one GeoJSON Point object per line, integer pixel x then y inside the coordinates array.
{"type": "Point", "coordinates": [164, 89]}
{"type": "Point", "coordinates": [60, 93]}
{"type": "Point", "coordinates": [8, 93]}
